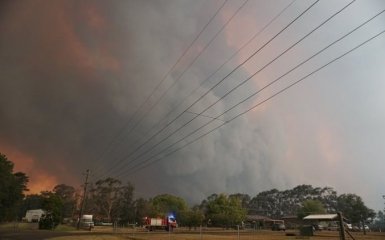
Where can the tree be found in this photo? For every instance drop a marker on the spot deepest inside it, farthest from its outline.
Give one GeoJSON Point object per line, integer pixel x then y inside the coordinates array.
{"type": "Point", "coordinates": [33, 201]}
{"type": "Point", "coordinates": [105, 195]}
{"type": "Point", "coordinates": [67, 194]}
{"type": "Point", "coordinates": [143, 208]}
{"type": "Point", "coordinates": [124, 209]}
{"type": "Point", "coordinates": [191, 217]}
{"type": "Point", "coordinates": [276, 204]}
{"type": "Point", "coordinates": [165, 204]}
{"type": "Point", "coordinates": [53, 204]}
{"type": "Point", "coordinates": [244, 198]}
{"type": "Point", "coordinates": [12, 186]}
{"type": "Point", "coordinates": [222, 210]}
{"type": "Point", "coordinates": [310, 207]}
{"type": "Point", "coordinates": [267, 203]}
{"type": "Point", "coordinates": [353, 208]}
{"type": "Point", "coordinates": [379, 222]}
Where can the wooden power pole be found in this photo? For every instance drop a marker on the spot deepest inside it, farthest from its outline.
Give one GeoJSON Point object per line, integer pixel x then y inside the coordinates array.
{"type": "Point", "coordinates": [342, 226]}
{"type": "Point", "coordinates": [83, 198]}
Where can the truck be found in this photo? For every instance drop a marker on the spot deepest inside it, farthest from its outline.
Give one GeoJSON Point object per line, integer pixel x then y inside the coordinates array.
{"type": "Point", "coordinates": [166, 223]}
{"type": "Point", "coordinates": [86, 222]}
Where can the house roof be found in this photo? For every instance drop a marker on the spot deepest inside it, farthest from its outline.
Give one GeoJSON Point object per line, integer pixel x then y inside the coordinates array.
{"type": "Point", "coordinates": [257, 218]}
{"type": "Point", "coordinates": [35, 211]}
{"type": "Point", "coordinates": [290, 217]}
{"type": "Point", "coordinates": [321, 217]}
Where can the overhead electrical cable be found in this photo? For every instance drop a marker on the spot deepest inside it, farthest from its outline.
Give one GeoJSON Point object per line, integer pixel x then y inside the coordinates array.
{"type": "Point", "coordinates": [191, 64]}
{"type": "Point", "coordinates": [188, 67]}
{"type": "Point", "coordinates": [244, 81]}
{"type": "Point", "coordinates": [137, 167]}
{"type": "Point", "coordinates": [215, 72]}
{"type": "Point", "coordinates": [259, 49]}
{"type": "Point", "coordinates": [277, 79]}
{"type": "Point", "coordinates": [111, 143]}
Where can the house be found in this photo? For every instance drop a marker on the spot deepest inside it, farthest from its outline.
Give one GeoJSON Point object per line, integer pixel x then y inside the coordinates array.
{"type": "Point", "coordinates": [292, 221]}
{"type": "Point", "coordinates": [260, 222]}
{"type": "Point", "coordinates": [34, 215]}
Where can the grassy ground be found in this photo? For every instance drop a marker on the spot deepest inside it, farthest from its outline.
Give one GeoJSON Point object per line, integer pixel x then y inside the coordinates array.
{"type": "Point", "coordinates": [64, 228]}
{"type": "Point", "coordinates": [220, 235]}
{"type": "Point", "coordinates": [90, 237]}
{"type": "Point", "coordinates": [63, 232]}
{"type": "Point", "coordinates": [19, 226]}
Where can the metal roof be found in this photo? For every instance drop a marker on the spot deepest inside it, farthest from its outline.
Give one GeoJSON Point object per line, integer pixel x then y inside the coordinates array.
{"type": "Point", "coordinates": [257, 218]}
{"type": "Point", "coordinates": [321, 217]}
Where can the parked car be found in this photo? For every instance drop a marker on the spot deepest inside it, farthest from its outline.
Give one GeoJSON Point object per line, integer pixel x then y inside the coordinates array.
{"type": "Point", "coordinates": [317, 227]}
{"type": "Point", "coordinates": [349, 226]}
{"type": "Point", "coordinates": [278, 227]}
{"type": "Point", "coordinates": [333, 227]}
{"type": "Point", "coordinates": [366, 228]}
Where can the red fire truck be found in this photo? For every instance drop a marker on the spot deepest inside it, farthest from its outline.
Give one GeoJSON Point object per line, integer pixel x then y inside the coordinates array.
{"type": "Point", "coordinates": [167, 223]}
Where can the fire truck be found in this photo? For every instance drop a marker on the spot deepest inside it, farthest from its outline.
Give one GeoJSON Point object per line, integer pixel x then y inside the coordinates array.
{"type": "Point", "coordinates": [166, 223]}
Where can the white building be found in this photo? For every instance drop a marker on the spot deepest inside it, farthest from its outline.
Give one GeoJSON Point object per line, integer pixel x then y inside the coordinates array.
{"type": "Point", "coordinates": [34, 215]}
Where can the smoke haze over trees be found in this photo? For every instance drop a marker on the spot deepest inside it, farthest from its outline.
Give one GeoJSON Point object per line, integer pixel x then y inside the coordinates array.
{"type": "Point", "coordinates": [110, 200]}
{"type": "Point", "coordinates": [73, 74]}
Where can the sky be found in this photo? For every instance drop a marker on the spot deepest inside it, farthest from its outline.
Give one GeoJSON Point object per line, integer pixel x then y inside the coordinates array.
{"type": "Point", "coordinates": [132, 89]}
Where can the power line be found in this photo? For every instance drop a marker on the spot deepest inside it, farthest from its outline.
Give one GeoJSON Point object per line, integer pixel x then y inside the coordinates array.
{"type": "Point", "coordinates": [197, 57]}
{"type": "Point", "coordinates": [259, 49]}
{"type": "Point", "coordinates": [206, 116]}
{"type": "Point", "coordinates": [137, 167]}
{"type": "Point", "coordinates": [188, 67]}
{"type": "Point", "coordinates": [243, 82]}
{"type": "Point", "coordinates": [218, 69]}
{"type": "Point", "coordinates": [110, 144]}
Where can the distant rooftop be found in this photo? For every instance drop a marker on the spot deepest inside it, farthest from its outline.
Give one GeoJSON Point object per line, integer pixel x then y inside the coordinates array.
{"type": "Point", "coordinates": [321, 217]}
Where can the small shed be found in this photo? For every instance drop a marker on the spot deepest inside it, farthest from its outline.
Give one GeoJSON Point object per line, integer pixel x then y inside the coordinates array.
{"type": "Point", "coordinates": [316, 219]}
{"type": "Point", "coordinates": [331, 219]}
{"type": "Point", "coordinates": [34, 215]}
{"type": "Point", "coordinates": [336, 222]}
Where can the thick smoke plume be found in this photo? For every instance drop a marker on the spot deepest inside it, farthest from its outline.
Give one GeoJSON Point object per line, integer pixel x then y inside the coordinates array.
{"type": "Point", "coordinates": [74, 73]}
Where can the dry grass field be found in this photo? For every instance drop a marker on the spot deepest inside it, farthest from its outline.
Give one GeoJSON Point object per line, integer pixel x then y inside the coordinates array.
{"type": "Point", "coordinates": [216, 235]}
{"type": "Point", "coordinates": [29, 231]}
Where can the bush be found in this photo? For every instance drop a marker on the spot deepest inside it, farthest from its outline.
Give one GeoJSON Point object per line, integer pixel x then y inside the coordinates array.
{"type": "Point", "coordinates": [47, 221]}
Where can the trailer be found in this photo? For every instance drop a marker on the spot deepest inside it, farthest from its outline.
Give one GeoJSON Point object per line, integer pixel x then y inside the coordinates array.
{"type": "Point", "coordinates": [34, 215]}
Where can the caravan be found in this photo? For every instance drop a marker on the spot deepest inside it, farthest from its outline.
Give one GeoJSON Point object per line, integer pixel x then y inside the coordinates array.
{"type": "Point", "coordinates": [34, 215]}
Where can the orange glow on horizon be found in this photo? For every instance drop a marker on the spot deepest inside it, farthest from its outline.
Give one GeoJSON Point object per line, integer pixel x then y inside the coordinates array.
{"type": "Point", "coordinates": [38, 179]}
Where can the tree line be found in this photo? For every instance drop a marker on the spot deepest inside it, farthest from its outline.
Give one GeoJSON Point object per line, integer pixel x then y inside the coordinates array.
{"type": "Point", "coordinates": [111, 200]}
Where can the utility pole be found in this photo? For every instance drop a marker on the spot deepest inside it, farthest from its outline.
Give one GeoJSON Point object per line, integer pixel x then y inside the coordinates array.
{"type": "Point", "coordinates": [342, 227]}
{"type": "Point", "coordinates": [83, 199]}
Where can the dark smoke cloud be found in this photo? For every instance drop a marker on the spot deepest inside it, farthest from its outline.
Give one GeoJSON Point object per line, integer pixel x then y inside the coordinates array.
{"type": "Point", "coordinates": [73, 74]}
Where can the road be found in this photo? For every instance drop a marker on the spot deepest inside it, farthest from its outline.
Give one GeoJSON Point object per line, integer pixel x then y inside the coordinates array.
{"type": "Point", "coordinates": [38, 235]}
